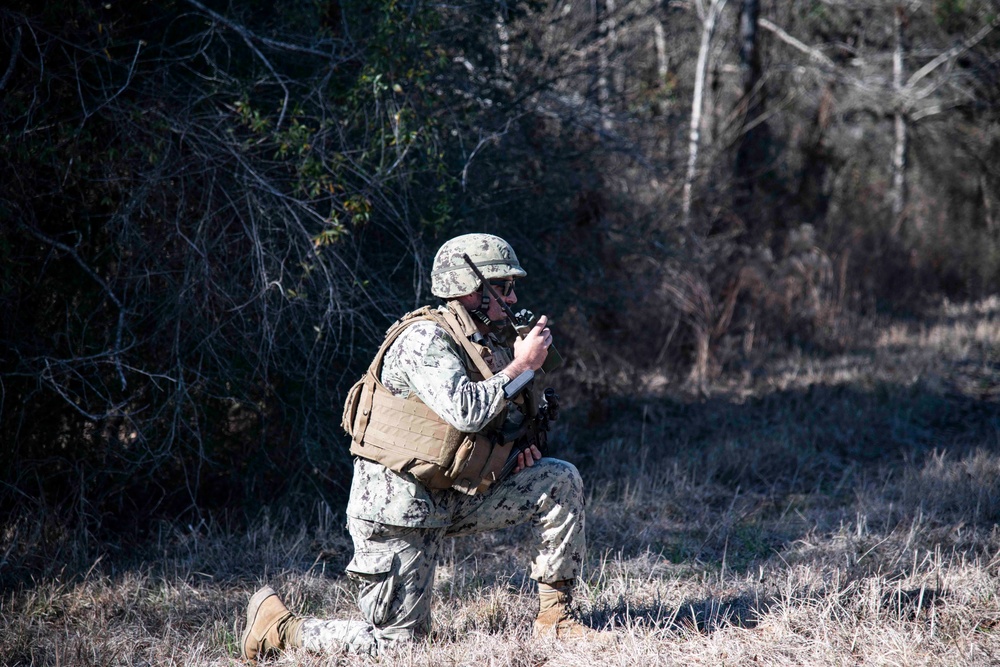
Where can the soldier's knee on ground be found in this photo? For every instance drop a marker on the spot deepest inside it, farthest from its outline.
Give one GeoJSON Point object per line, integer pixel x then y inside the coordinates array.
{"type": "Point", "coordinates": [333, 636]}
{"type": "Point", "coordinates": [394, 567]}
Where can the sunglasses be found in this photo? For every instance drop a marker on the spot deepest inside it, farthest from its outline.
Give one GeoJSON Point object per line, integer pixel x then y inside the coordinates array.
{"type": "Point", "coordinates": [504, 287]}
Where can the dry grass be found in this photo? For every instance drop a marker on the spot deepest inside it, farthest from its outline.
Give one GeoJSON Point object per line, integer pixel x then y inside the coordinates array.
{"type": "Point", "coordinates": [817, 511]}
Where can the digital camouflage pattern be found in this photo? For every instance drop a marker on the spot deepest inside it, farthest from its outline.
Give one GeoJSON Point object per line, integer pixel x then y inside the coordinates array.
{"type": "Point", "coordinates": [331, 636]}
{"type": "Point", "coordinates": [451, 277]}
{"type": "Point", "coordinates": [399, 526]}
{"type": "Point", "coordinates": [427, 362]}
{"type": "Point", "coordinates": [395, 564]}
{"type": "Point", "coordinates": [425, 359]}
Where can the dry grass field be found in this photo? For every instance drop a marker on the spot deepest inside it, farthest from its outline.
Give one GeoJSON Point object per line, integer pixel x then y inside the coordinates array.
{"type": "Point", "coordinates": [816, 510]}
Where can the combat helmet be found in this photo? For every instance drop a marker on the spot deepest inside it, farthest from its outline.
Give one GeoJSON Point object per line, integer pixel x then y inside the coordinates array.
{"type": "Point", "coordinates": [451, 277]}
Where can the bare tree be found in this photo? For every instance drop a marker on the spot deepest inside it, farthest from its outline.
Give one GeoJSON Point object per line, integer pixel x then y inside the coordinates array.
{"type": "Point", "coordinates": [709, 17]}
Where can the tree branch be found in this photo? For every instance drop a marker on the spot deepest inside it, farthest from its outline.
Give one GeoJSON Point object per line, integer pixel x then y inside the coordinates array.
{"type": "Point", "coordinates": [15, 51]}
{"type": "Point", "coordinates": [813, 53]}
{"type": "Point", "coordinates": [492, 136]}
{"type": "Point", "coordinates": [953, 52]}
{"type": "Point", "coordinates": [248, 35]}
{"type": "Point", "coordinates": [116, 352]}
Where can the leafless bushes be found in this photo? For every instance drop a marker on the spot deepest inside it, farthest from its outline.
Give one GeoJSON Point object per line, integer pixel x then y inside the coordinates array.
{"type": "Point", "coordinates": [196, 248]}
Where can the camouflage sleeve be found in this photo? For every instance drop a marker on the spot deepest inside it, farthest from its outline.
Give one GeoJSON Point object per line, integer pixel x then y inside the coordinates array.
{"type": "Point", "coordinates": [425, 360]}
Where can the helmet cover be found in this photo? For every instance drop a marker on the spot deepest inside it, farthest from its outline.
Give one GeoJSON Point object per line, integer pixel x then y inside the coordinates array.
{"type": "Point", "coordinates": [451, 277]}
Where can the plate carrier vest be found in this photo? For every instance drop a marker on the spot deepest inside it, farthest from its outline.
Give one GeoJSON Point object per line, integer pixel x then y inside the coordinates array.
{"type": "Point", "coordinates": [406, 436]}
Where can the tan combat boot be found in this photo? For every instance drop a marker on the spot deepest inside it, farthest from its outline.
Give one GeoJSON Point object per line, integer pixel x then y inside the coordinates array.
{"type": "Point", "coordinates": [270, 626]}
{"type": "Point", "coordinates": [554, 616]}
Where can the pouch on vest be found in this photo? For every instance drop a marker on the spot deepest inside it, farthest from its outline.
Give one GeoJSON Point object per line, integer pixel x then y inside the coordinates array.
{"type": "Point", "coordinates": [406, 436]}
{"type": "Point", "coordinates": [351, 406]}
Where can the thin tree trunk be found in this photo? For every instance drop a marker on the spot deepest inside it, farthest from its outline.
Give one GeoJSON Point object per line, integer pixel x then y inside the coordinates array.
{"type": "Point", "coordinates": [749, 53]}
{"type": "Point", "coordinates": [901, 122]}
{"type": "Point", "coordinates": [752, 143]}
{"type": "Point", "coordinates": [662, 62]}
{"type": "Point", "coordinates": [503, 37]}
{"type": "Point", "coordinates": [701, 71]}
{"type": "Point", "coordinates": [608, 77]}
{"type": "Point", "coordinates": [989, 205]}
{"type": "Point", "coordinates": [617, 71]}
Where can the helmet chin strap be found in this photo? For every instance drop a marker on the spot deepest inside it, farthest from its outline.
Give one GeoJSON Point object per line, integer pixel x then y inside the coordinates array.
{"type": "Point", "coordinates": [481, 312]}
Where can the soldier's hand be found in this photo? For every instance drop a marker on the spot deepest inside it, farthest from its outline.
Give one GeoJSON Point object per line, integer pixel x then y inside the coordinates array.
{"type": "Point", "coordinates": [526, 458]}
{"type": "Point", "coordinates": [534, 347]}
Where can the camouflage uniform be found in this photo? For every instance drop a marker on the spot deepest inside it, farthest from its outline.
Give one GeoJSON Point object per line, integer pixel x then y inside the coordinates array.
{"type": "Point", "coordinates": [398, 525]}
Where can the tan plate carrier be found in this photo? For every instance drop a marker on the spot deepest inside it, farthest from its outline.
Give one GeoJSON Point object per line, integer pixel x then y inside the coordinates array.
{"type": "Point", "coordinates": [406, 436]}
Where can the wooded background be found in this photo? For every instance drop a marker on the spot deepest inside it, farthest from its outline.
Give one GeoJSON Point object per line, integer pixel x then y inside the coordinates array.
{"type": "Point", "coordinates": [210, 212]}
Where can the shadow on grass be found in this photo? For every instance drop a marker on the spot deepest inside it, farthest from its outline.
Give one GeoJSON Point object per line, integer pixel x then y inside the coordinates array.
{"type": "Point", "coordinates": [704, 616]}
{"type": "Point", "coordinates": [724, 485]}
{"type": "Point", "coordinates": [709, 615]}
{"type": "Point", "coordinates": [789, 441]}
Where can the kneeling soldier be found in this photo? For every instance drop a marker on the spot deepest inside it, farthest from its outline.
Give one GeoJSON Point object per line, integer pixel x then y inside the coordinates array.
{"type": "Point", "coordinates": [432, 428]}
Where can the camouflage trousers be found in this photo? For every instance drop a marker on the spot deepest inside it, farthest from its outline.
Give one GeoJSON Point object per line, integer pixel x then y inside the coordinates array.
{"type": "Point", "coordinates": [395, 564]}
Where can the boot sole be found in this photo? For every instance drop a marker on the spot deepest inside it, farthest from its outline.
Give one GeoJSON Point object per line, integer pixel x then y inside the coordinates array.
{"type": "Point", "coordinates": [256, 600]}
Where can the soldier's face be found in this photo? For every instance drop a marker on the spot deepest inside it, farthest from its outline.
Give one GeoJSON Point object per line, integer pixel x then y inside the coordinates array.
{"type": "Point", "coordinates": [496, 312]}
